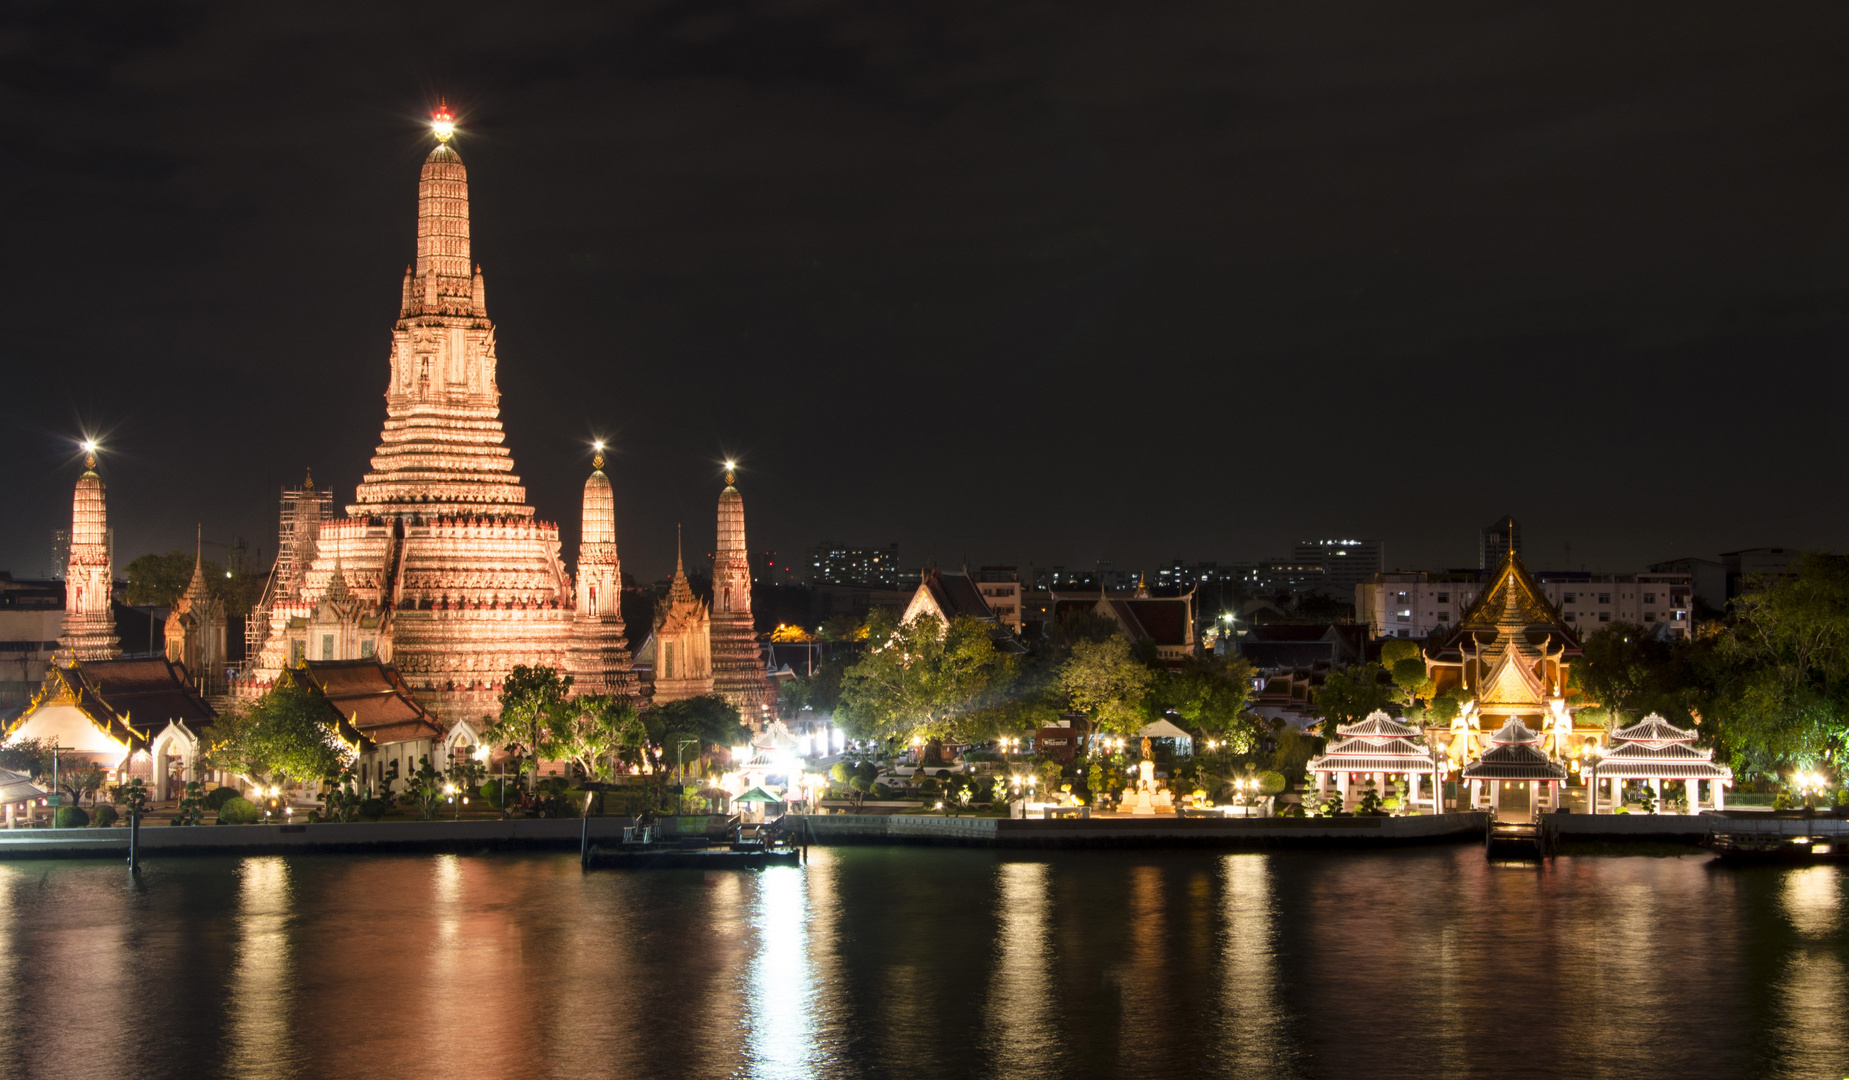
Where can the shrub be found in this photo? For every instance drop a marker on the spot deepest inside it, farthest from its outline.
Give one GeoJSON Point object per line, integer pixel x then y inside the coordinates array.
{"type": "Point", "coordinates": [372, 809]}
{"type": "Point", "coordinates": [1270, 783]}
{"type": "Point", "coordinates": [239, 811]}
{"type": "Point", "coordinates": [69, 817]}
{"type": "Point", "coordinates": [105, 816]}
{"type": "Point", "coordinates": [216, 799]}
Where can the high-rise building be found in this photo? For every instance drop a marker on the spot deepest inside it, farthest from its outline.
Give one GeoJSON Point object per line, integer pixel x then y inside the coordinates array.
{"type": "Point", "coordinates": [866, 568]}
{"type": "Point", "coordinates": [1345, 563]}
{"type": "Point", "coordinates": [1499, 537]}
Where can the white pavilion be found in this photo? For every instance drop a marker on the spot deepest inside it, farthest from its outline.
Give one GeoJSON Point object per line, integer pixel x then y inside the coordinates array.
{"type": "Point", "coordinates": [1655, 750]}
{"type": "Point", "coordinates": [1380, 747]}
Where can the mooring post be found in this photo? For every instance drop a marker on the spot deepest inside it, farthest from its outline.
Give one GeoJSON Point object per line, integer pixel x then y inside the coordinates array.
{"type": "Point", "coordinates": [134, 842]}
{"type": "Point", "coordinates": [584, 843]}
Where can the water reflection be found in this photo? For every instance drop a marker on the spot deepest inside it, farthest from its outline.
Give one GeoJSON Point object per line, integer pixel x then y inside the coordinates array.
{"type": "Point", "coordinates": [262, 1044]}
{"type": "Point", "coordinates": [1144, 983]}
{"type": "Point", "coordinates": [781, 992]}
{"type": "Point", "coordinates": [1252, 1028]}
{"type": "Point", "coordinates": [1811, 997]}
{"type": "Point", "coordinates": [1018, 1023]}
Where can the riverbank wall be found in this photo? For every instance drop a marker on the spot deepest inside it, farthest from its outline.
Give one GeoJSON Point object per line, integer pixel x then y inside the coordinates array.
{"type": "Point", "coordinates": [523, 834]}
{"type": "Point", "coordinates": [1154, 832]}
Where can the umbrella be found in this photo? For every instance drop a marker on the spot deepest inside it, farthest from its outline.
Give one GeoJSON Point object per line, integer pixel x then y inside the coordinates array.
{"type": "Point", "coordinates": [758, 794]}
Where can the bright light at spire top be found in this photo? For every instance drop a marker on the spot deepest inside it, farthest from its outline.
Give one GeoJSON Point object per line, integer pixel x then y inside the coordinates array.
{"type": "Point", "coordinates": [442, 122]}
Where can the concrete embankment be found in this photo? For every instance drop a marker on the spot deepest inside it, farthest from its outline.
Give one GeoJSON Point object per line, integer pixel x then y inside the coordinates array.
{"type": "Point", "coordinates": [1146, 832]}
{"type": "Point", "coordinates": [383, 836]}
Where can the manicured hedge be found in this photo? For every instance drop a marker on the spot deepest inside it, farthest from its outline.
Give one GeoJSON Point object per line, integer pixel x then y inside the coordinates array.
{"type": "Point", "coordinates": [69, 817]}
{"type": "Point", "coordinates": [239, 811]}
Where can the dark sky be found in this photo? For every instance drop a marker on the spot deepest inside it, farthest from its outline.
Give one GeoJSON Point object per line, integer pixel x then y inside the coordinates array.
{"type": "Point", "coordinates": [1055, 282]}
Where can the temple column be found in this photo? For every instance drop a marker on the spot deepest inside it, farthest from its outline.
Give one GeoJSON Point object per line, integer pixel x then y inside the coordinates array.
{"type": "Point", "coordinates": [1720, 800]}
{"type": "Point", "coordinates": [1693, 786]}
{"type": "Point", "coordinates": [1412, 790]}
{"type": "Point", "coordinates": [1341, 788]}
{"type": "Point", "coordinates": [1473, 795]}
{"type": "Point", "coordinates": [1656, 790]}
{"type": "Point", "coordinates": [1380, 784]}
{"type": "Point", "coordinates": [1322, 786]}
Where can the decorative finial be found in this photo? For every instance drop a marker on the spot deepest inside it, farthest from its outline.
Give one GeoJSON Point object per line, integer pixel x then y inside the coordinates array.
{"type": "Point", "coordinates": [731, 468]}
{"type": "Point", "coordinates": [442, 123]}
{"type": "Point", "coordinates": [677, 548]}
{"type": "Point", "coordinates": [308, 484]}
{"type": "Point", "coordinates": [597, 462]}
{"type": "Point", "coordinates": [89, 453]}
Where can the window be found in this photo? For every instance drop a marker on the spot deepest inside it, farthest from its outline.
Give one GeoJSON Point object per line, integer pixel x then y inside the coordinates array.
{"type": "Point", "coordinates": [1569, 598]}
{"type": "Point", "coordinates": [593, 602]}
{"type": "Point", "coordinates": [1679, 616]}
{"type": "Point", "coordinates": [366, 649]}
{"type": "Point", "coordinates": [728, 601]}
{"type": "Point", "coordinates": [1604, 598]}
{"type": "Point", "coordinates": [1444, 597]}
{"type": "Point", "coordinates": [1649, 598]}
{"type": "Point", "coordinates": [1401, 597]}
{"type": "Point", "coordinates": [327, 646]}
{"type": "Point", "coordinates": [1649, 616]}
{"type": "Point", "coordinates": [296, 651]}
{"type": "Point", "coordinates": [1571, 616]}
{"type": "Point", "coordinates": [1604, 616]}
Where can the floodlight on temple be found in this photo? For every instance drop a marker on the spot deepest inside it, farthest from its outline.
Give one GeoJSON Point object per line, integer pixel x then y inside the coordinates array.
{"type": "Point", "coordinates": [442, 123]}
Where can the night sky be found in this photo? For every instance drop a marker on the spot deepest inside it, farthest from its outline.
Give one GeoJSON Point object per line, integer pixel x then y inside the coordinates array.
{"type": "Point", "coordinates": [1056, 282]}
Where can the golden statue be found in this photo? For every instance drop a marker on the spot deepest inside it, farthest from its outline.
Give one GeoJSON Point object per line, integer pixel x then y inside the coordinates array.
{"type": "Point", "coordinates": [1147, 755]}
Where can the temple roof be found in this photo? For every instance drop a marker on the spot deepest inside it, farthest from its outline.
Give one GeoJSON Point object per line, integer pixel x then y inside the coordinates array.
{"type": "Point", "coordinates": [1653, 730]}
{"type": "Point", "coordinates": [372, 699]}
{"type": "Point", "coordinates": [1514, 756]}
{"type": "Point", "coordinates": [1672, 761]}
{"type": "Point", "coordinates": [1379, 727]}
{"type": "Point", "coordinates": [1510, 610]}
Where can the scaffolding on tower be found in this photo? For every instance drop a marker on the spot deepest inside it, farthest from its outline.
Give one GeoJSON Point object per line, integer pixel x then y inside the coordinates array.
{"type": "Point", "coordinates": [303, 510]}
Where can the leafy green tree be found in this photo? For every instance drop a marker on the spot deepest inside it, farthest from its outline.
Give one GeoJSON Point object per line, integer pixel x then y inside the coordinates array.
{"type": "Point", "coordinates": [1105, 681]}
{"type": "Point", "coordinates": [533, 715]}
{"type": "Point", "coordinates": [857, 777]}
{"type": "Point", "coordinates": [922, 679]}
{"type": "Point", "coordinates": [29, 756]}
{"type": "Point", "coordinates": [160, 580]}
{"type": "Point", "coordinates": [1630, 672]}
{"type": "Point", "coordinates": [468, 773]}
{"type": "Point", "coordinates": [341, 801]}
{"type": "Point", "coordinates": [708, 718]}
{"type": "Point", "coordinates": [1348, 696]}
{"type": "Point", "coordinates": [597, 731]}
{"type": "Point", "coordinates": [1210, 694]}
{"type": "Point", "coordinates": [287, 735]}
{"type": "Point", "coordinates": [1779, 677]}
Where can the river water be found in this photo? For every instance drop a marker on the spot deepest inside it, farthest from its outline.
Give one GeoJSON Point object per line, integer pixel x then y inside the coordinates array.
{"type": "Point", "coordinates": [915, 962]}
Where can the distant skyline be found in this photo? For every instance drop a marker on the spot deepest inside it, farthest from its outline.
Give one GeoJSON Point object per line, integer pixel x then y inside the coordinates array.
{"type": "Point", "coordinates": [1052, 284]}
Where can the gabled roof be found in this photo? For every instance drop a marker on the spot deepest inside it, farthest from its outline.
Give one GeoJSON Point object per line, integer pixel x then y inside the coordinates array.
{"type": "Point", "coordinates": [1653, 730]}
{"type": "Point", "coordinates": [1671, 761]}
{"type": "Point", "coordinates": [1514, 756]}
{"type": "Point", "coordinates": [956, 594]}
{"type": "Point", "coordinates": [127, 700]}
{"type": "Point", "coordinates": [150, 691]}
{"type": "Point", "coordinates": [1378, 727]}
{"type": "Point", "coordinates": [374, 699]}
{"type": "Point", "coordinates": [1512, 581]}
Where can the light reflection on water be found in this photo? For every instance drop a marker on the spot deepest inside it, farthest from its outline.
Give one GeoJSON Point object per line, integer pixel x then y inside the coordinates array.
{"type": "Point", "coordinates": [910, 963]}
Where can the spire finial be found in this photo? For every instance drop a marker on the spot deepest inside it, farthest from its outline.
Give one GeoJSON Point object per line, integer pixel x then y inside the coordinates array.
{"type": "Point", "coordinates": [199, 548]}
{"type": "Point", "coordinates": [596, 462]}
{"type": "Point", "coordinates": [308, 483]}
{"type": "Point", "coordinates": [731, 470]}
{"type": "Point", "coordinates": [442, 123]}
{"type": "Point", "coordinates": [89, 453]}
{"type": "Point", "coordinates": [677, 547]}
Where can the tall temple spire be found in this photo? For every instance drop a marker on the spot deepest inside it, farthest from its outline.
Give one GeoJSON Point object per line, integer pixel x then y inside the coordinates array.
{"type": "Point", "coordinates": [89, 628]}
{"type": "Point", "coordinates": [598, 659]}
{"type": "Point", "coordinates": [738, 663]}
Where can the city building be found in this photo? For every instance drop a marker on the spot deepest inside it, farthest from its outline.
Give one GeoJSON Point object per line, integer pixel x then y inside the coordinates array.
{"type": "Point", "coordinates": [1750, 565]}
{"type": "Point", "coordinates": [1345, 563]}
{"type": "Point", "coordinates": [1497, 539]}
{"type": "Point", "coordinates": [1416, 604]}
{"type": "Point", "coordinates": [1001, 588]}
{"type": "Point", "coordinates": [1707, 579]}
{"type": "Point", "coordinates": [31, 618]}
{"type": "Point", "coordinates": [867, 568]}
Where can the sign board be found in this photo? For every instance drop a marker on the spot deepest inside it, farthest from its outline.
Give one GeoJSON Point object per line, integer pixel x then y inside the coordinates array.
{"type": "Point", "coordinates": [52, 800]}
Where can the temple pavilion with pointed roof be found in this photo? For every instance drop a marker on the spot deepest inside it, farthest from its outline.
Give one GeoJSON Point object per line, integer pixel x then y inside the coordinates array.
{"type": "Point", "coordinates": [1511, 652]}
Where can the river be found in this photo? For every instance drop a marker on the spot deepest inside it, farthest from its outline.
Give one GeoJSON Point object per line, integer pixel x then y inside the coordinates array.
{"type": "Point", "coordinates": [916, 962]}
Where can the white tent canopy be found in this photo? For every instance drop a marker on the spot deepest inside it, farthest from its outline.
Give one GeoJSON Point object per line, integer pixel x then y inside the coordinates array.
{"type": "Point", "coordinates": [1163, 729]}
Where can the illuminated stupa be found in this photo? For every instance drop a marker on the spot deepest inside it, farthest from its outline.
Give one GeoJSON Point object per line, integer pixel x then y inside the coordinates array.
{"type": "Point", "coordinates": [738, 661]}
{"type": "Point", "coordinates": [456, 579]}
{"type": "Point", "coordinates": [89, 628]}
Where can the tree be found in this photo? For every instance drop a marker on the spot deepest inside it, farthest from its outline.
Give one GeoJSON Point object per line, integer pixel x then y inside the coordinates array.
{"type": "Point", "coordinates": [29, 756]}
{"type": "Point", "coordinates": [160, 580]}
{"type": "Point", "coordinates": [857, 777]}
{"type": "Point", "coordinates": [1107, 682]}
{"type": "Point", "coordinates": [709, 718]}
{"type": "Point", "coordinates": [533, 715]}
{"type": "Point", "coordinates": [1348, 696]}
{"type": "Point", "coordinates": [1779, 677]}
{"type": "Point", "coordinates": [1631, 673]}
{"type": "Point", "coordinates": [288, 734]}
{"type": "Point", "coordinates": [600, 728]}
{"type": "Point", "coordinates": [1404, 663]}
{"type": "Point", "coordinates": [427, 786]}
{"type": "Point", "coordinates": [925, 680]}
{"type": "Point", "coordinates": [1210, 694]}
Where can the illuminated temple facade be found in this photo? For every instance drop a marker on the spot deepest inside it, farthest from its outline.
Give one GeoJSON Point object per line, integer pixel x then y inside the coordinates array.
{"type": "Point", "coordinates": [439, 566]}
{"type": "Point", "coordinates": [89, 628]}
